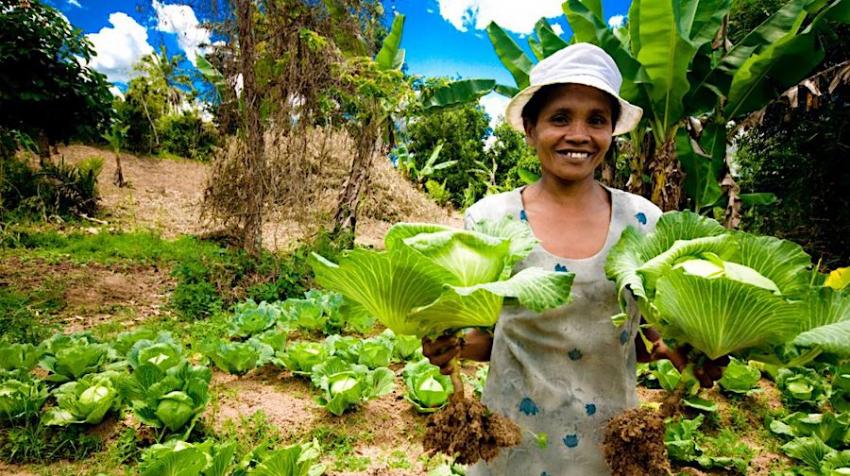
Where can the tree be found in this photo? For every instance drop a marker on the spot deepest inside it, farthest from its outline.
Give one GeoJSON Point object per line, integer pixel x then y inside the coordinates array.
{"type": "Point", "coordinates": [165, 74]}
{"type": "Point", "coordinates": [46, 89]}
{"type": "Point", "coordinates": [115, 138]}
{"type": "Point", "coordinates": [461, 130]}
{"type": "Point", "coordinates": [678, 64]}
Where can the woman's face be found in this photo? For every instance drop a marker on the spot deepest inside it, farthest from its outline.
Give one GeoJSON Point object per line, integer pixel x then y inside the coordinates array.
{"type": "Point", "coordinates": [573, 132]}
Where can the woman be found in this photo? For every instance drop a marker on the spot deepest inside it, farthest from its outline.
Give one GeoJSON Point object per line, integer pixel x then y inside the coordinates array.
{"type": "Point", "coordinates": [564, 372]}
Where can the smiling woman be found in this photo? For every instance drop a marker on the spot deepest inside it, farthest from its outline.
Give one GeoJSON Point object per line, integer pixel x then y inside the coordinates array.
{"type": "Point", "coordinates": [563, 372]}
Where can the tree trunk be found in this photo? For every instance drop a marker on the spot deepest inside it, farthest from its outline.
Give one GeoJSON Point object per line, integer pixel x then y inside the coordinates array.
{"type": "Point", "coordinates": [345, 218]}
{"type": "Point", "coordinates": [119, 174]}
{"type": "Point", "coordinates": [153, 126]}
{"type": "Point", "coordinates": [43, 148]}
{"type": "Point", "coordinates": [254, 159]}
{"type": "Point", "coordinates": [666, 176]}
{"type": "Point", "coordinates": [638, 154]}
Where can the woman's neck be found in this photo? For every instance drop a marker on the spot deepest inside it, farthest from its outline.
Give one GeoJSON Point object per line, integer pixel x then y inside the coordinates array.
{"type": "Point", "coordinates": [567, 194]}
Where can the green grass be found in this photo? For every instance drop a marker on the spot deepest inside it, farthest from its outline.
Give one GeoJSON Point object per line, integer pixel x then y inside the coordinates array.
{"type": "Point", "coordinates": [79, 246]}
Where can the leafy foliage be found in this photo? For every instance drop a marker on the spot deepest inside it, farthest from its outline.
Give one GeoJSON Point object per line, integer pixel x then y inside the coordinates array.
{"type": "Point", "coordinates": [164, 389]}
{"type": "Point", "coordinates": [345, 385]}
{"type": "Point", "coordinates": [177, 457]}
{"type": "Point", "coordinates": [46, 86]}
{"type": "Point", "coordinates": [739, 377]}
{"type": "Point", "coordinates": [427, 389]}
{"type": "Point", "coordinates": [86, 400]}
{"type": "Point", "coordinates": [71, 357]}
{"type": "Point", "coordinates": [461, 131]}
{"type": "Point", "coordinates": [433, 278]}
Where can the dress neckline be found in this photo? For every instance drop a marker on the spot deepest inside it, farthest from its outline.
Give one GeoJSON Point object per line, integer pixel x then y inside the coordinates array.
{"type": "Point", "coordinates": [599, 253]}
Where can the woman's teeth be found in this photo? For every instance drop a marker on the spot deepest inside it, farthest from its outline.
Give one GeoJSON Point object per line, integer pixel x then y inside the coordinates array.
{"type": "Point", "coordinates": [576, 155]}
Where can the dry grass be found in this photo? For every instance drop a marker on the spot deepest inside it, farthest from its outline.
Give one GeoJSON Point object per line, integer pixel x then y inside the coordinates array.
{"type": "Point", "coordinates": [165, 194]}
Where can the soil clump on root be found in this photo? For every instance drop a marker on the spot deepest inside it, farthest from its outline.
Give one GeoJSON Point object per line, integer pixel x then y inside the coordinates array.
{"type": "Point", "coordinates": [466, 428]}
{"type": "Point", "coordinates": [634, 444]}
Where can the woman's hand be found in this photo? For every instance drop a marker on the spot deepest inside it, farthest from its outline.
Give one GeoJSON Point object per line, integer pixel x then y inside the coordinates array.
{"type": "Point", "coordinates": [706, 371]}
{"type": "Point", "coordinates": [475, 345]}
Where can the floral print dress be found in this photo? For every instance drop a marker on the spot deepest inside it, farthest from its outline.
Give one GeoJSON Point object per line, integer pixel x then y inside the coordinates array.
{"type": "Point", "coordinates": [566, 371]}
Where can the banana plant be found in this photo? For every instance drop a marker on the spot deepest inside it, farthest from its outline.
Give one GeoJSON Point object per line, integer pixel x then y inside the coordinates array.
{"type": "Point", "coordinates": [676, 65]}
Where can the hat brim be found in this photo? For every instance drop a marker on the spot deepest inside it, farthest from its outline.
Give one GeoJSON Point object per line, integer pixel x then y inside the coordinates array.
{"type": "Point", "coordinates": [629, 113]}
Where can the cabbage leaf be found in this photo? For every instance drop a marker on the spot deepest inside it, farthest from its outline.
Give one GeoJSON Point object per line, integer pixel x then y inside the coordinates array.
{"type": "Point", "coordinates": [432, 278]}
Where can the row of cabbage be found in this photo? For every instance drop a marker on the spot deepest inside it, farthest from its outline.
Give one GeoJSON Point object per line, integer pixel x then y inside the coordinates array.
{"type": "Point", "coordinates": [150, 372]}
{"type": "Point", "coordinates": [346, 369]}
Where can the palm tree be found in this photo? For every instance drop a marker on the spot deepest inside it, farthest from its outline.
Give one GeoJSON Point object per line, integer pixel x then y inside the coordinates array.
{"type": "Point", "coordinates": [165, 72]}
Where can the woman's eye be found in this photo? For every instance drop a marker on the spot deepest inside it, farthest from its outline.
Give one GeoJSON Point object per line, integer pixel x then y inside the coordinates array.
{"type": "Point", "coordinates": [559, 119]}
{"type": "Point", "coordinates": [598, 120]}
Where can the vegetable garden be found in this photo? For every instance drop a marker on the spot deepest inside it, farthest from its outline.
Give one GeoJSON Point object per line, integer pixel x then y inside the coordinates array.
{"type": "Point", "coordinates": [131, 345]}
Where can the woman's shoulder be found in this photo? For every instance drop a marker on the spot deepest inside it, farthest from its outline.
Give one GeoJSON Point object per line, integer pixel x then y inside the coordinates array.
{"type": "Point", "coordinates": [636, 210]}
{"type": "Point", "coordinates": [494, 207]}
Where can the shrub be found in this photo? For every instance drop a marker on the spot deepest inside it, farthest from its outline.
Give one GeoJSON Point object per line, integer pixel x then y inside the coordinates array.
{"type": "Point", "coordinates": [187, 135]}
{"type": "Point", "coordinates": [57, 188]}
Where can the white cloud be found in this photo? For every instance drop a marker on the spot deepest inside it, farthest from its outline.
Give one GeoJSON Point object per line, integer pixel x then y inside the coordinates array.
{"type": "Point", "coordinates": [119, 47]}
{"type": "Point", "coordinates": [74, 3]}
{"type": "Point", "coordinates": [116, 92]}
{"type": "Point", "coordinates": [495, 105]}
{"type": "Point", "coordinates": [558, 29]}
{"type": "Point", "coordinates": [518, 17]}
{"type": "Point", "coordinates": [616, 21]}
{"type": "Point", "coordinates": [181, 20]}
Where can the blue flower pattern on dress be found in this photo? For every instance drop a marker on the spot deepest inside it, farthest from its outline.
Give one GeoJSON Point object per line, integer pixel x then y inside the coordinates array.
{"type": "Point", "coordinates": [523, 216]}
{"type": "Point", "coordinates": [590, 409]}
{"type": "Point", "coordinates": [574, 354]}
{"type": "Point", "coordinates": [528, 407]}
{"type": "Point", "coordinates": [561, 268]}
{"type": "Point", "coordinates": [571, 441]}
{"type": "Point", "coordinates": [624, 337]}
{"type": "Point", "coordinates": [641, 217]}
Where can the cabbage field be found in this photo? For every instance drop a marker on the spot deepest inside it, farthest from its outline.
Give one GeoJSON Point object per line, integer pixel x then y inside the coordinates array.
{"type": "Point", "coordinates": [221, 255]}
{"type": "Point", "coordinates": [321, 384]}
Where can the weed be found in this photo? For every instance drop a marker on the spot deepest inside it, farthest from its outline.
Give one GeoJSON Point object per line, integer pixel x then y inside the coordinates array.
{"type": "Point", "coordinates": [23, 317]}
{"type": "Point", "coordinates": [398, 460]}
{"type": "Point", "coordinates": [33, 443]}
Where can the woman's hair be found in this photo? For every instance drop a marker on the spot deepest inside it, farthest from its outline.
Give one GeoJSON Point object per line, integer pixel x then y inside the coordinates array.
{"type": "Point", "coordinates": [538, 100]}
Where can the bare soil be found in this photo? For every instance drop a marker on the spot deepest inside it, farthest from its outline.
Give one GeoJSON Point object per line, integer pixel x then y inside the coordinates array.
{"type": "Point", "coordinates": [92, 293]}
{"type": "Point", "coordinates": [165, 195]}
{"type": "Point", "coordinates": [285, 401]}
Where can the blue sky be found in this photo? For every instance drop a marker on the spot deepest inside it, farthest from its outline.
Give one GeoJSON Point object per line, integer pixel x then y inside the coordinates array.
{"type": "Point", "coordinates": [441, 37]}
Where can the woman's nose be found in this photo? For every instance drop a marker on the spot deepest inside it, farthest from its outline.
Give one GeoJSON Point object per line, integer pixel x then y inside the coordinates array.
{"type": "Point", "coordinates": [577, 132]}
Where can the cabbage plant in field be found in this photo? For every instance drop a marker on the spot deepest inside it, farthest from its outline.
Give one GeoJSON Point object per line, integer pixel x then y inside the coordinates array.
{"type": "Point", "coordinates": [86, 400]}
{"type": "Point", "coordinates": [723, 291]}
{"type": "Point", "coordinates": [300, 357]}
{"type": "Point", "coordinates": [21, 398]}
{"type": "Point", "coordinates": [344, 385]}
{"type": "Point", "coordinates": [18, 359]}
{"type": "Point", "coordinates": [164, 390]}
{"type": "Point", "coordinates": [250, 318]}
{"type": "Point", "coordinates": [69, 357]}
{"type": "Point", "coordinates": [427, 389]}
{"type": "Point", "coordinates": [295, 460]}
{"type": "Point", "coordinates": [237, 358]}
{"type": "Point", "coordinates": [179, 457]}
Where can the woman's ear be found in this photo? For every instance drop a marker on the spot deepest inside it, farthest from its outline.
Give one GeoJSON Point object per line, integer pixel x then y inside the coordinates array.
{"type": "Point", "coordinates": [530, 137]}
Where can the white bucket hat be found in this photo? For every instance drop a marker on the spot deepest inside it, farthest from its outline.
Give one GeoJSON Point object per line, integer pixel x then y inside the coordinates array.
{"type": "Point", "coordinates": [579, 63]}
